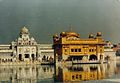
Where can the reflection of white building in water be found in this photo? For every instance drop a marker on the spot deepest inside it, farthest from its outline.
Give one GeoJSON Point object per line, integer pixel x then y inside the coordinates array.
{"type": "Point", "coordinates": [25, 74]}
{"type": "Point", "coordinates": [25, 48]}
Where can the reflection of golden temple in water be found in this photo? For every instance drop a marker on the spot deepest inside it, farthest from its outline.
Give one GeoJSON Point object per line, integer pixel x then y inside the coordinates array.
{"type": "Point", "coordinates": [25, 74]}
{"type": "Point", "coordinates": [81, 73]}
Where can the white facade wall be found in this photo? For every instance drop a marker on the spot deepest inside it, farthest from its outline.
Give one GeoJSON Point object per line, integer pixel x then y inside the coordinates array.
{"type": "Point", "coordinates": [110, 53]}
{"type": "Point", "coordinates": [45, 50]}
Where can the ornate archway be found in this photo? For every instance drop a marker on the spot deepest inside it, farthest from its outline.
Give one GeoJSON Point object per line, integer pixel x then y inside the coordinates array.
{"type": "Point", "coordinates": [93, 57]}
{"type": "Point", "coordinates": [20, 57]}
{"type": "Point", "coordinates": [33, 57]}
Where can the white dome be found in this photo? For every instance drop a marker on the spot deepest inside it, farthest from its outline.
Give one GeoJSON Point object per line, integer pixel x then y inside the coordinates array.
{"type": "Point", "coordinates": [24, 30]}
{"type": "Point", "coordinates": [32, 39]}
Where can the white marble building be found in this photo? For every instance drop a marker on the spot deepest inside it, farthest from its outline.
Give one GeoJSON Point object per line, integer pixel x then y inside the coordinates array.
{"type": "Point", "coordinates": [25, 48]}
{"type": "Point", "coordinates": [110, 53]}
{"type": "Point", "coordinates": [6, 53]}
{"type": "Point", "coordinates": [46, 51]}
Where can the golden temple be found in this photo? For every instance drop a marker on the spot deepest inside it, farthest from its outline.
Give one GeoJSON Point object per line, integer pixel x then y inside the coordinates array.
{"type": "Point", "coordinates": [68, 46]}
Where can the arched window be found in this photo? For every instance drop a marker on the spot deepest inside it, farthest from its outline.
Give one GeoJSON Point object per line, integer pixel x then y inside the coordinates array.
{"type": "Point", "coordinates": [93, 57]}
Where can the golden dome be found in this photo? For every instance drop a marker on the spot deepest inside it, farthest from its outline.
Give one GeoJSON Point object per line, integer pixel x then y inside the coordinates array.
{"type": "Point", "coordinates": [62, 34]}
{"type": "Point", "coordinates": [72, 34]}
{"type": "Point", "coordinates": [99, 34]}
{"type": "Point", "coordinates": [55, 36]}
{"type": "Point", "coordinates": [24, 30]}
{"type": "Point", "coordinates": [91, 36]}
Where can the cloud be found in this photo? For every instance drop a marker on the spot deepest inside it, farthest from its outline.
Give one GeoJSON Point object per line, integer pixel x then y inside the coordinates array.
{"type": "Point", "coordinates": [118, 0]}
{"type": "Point", "coordinates": [1, 0]}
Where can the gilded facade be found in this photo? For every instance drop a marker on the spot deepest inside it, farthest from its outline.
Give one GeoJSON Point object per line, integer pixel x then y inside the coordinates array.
{"type": "Point", "coordinates": [68, 46]}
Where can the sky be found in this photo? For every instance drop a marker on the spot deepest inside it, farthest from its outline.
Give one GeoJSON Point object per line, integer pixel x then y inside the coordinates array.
{"type": "Point", "coordinates": [44, 18]}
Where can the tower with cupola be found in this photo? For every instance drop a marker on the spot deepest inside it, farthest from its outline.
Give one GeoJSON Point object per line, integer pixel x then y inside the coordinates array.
{"type": "Point", "coordinates": [26, 46]}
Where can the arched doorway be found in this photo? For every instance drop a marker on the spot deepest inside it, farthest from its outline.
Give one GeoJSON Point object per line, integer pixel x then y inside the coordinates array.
{"type": "Point", "coordinates": [33, 57]}
{"type": "Point", "coordinates": [20, 57]}
{"type": "Point", "coordinates": [93, 57]}
{"type": "Point", "coordinates": [27, 55]}
{"type": "Point", "coordinates": [44, 58]}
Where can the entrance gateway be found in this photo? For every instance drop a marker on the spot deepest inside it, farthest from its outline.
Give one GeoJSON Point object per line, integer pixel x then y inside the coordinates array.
{"type": "Point", "coordinates": [33, 57]}
{"type": "Point", "coordinates": [26, 46]}
{"type": "Point", "coordinates": [20, 57]}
